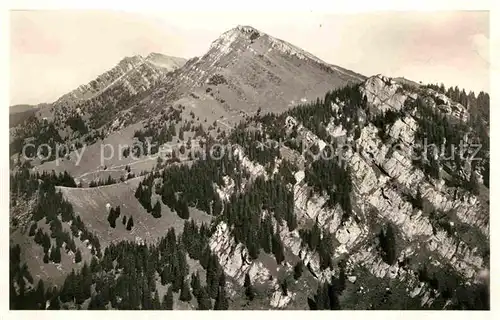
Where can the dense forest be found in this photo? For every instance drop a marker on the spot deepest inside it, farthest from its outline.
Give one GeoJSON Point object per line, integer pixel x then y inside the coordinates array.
{"type": "Point", "coordinates": [128, 275]}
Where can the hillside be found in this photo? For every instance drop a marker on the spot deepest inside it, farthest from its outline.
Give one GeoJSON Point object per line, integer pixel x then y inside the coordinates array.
{"type": "Point", "coordinates": [20, 113]}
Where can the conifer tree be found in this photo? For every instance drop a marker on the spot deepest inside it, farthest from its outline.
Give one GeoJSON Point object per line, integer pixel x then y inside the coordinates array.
{"type": "Point", "coordinates": [221, 302]}
{"type": "Point", "coordinates": [40, 295]}
{"type": "Point", "coordinates": [112, 218]}
{"type": "Point", "coordinates": [45, 257]}
{"type": "Point", "coordinates": [55, 254]}
{"type": "Point", "coordinates": [55, 303]}
{"type": "Point", "coordinates": [418, 200]}
{"type": "Point", "coordinates": [297, 270]}
{"type": "Point", "coordinates": [130, 223]}
{"type": "Point", "coordinates": [284, 287]}
{"type": "Point", "coordinates": [168, 300]}
{"type": "Point", "coordinates": [33, 229]}
{"type": "Point", "coordinates": [249, 291]}
{"type": "Point", "coordinates": [156, 212]}
{"type": "Point", "coordinates": [387, 244]}
{"type": "Point", "coordinates": [182, 209]}
{"type": "Point", "coordinates": [195, 284]}
{"type": "Point", "coordinates": [278, 249]}
{"type": "Point", "coordinates": [204, 302]}
{"type": "Point", "coordinates": [222, 279]}
{"type": "Point", "coordinates": [78, 256]}
{"type": "Point", "coordinates": [185, 292]}
{"type": "Point", "coordinates": [156, 301]}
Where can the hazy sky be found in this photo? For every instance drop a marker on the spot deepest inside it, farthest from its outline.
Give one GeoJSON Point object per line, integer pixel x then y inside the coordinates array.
{"type": "Point", "coordinates": [53, 52]}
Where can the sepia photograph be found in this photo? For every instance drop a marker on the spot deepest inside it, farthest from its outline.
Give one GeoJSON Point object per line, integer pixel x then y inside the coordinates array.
{"type": "Point", "coordinates": [310, 160]}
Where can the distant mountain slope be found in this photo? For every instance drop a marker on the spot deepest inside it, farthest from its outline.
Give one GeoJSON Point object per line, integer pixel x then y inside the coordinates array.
{"type": "Point", "coordinates": [244, 70]}
{"type": "Point", "coordinates": [155, 63]}
{"type": "Point", "coordinates": [110, 92]}
{"type": "Point", "coordinates": [78, 116]}
{"type": "Point", "coordinates": [19, 113]}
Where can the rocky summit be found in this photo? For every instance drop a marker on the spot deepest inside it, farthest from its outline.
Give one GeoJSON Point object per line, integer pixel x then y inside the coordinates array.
{"type": "Point", "coordinates": [256, 176]}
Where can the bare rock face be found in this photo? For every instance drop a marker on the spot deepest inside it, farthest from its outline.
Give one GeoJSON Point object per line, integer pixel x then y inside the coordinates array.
{"type": "Point", "coordinates": [461, 257]}
{"type": "Point", "coordinates": [227, 190]}
{"type": "Point", "coordinates": [279, 300]}
{"type": "Point", "coordinates": [390, 206]}
{"type": "Point", "coordinates": [292, 241]}
{"type": "Point", "coordinates": [234, 258]}
{"type": "Point", "coordinates": [384, 93]}
{"type": "Point", "coordinates": [349, 235]}
{"type": "Point", "coordinates": [255, 169]}
{"type": "Point", "coordinates": [447, 106]}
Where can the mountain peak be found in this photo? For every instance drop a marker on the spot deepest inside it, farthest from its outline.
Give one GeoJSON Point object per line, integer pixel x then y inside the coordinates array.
{"type": "Point", "coordinates": [166, 62]}
{"type": "Point", "coordinates": [246, 35]}
{"type": "Point", "coordinates": [131, 60]}
{"type": "Point", "coordinates": [246, 29]}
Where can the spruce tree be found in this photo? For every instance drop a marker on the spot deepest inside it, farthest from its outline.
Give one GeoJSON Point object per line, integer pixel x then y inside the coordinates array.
{"type": "Point", "coordinates": [249, 291]}
{"type": "Point", "coordinates": [278, 249]}
{"type": "Point", "coordinates": [222, 279]}
{"type": "Point", "coordinates": [138, 192]}
{"type": "Point", "coordinates": [419, 202]}
{"type": "Point", "coordinates": [221, 302]}
{"type": "Point", "coordinates": [55, 303]}
{"type": "Point", "coordinates": [78, 256]}
{"type": "Point", "coordinates": [297, 270]}
{"type": "Point", "coordinates": [204, 302]}
{"type": "Point", "coordinates": [130, 223]}
{"type": "Point", "coordinates": [212, 276]}
{"type": "Point", "coordinates": [112, 218]}
{"type": "Point", "coordinates": [195, 284]}
{"type": "Point", "coordinates": [185, 292]}
{"type": "Point", "coordinates": [387, 244]}
{"type": "Point", "coordinates": [45, 257]}
{"type": "Point", "coordinates": [156, 301]}
{"type": "Point", "coordinates": [284, 287]}
{"type": "Point", "coordinates": [124, 220]}
{"type": "Point", "coordinates": [40, 294]}
{"type": "Point", "coordinates": [33, 229]}
{"type": "Point", "coordinates": [156, 212]}
{"type": "Point", "coordinates": [342, 279]}
{"type": "Point", "coordinates": [182, 209]}
{"type": "Point", "coordinates": [55, 255]}
{"type": "Point", "coordinates": [97, 303]}
{"type": "Point", "coordinates": [168, 300]}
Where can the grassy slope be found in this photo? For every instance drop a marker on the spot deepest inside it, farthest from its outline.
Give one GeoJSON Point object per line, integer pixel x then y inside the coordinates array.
{"type": "Point", "coordinates": [32, 254]}
{"type": "Point", "coordinates": [90, 205]}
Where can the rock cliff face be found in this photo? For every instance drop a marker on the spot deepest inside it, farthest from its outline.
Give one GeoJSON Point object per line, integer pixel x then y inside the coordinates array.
{"type": "Point", "coordinates": [234, 258]}
{"type": "Point", "coordinates": [383, 177]}
{"type": "Point", "coordinates": [384, 93]}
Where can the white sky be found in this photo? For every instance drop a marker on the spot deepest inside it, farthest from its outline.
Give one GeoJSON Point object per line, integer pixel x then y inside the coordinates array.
{"type": "Point", "coordinates": [53, 52]}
